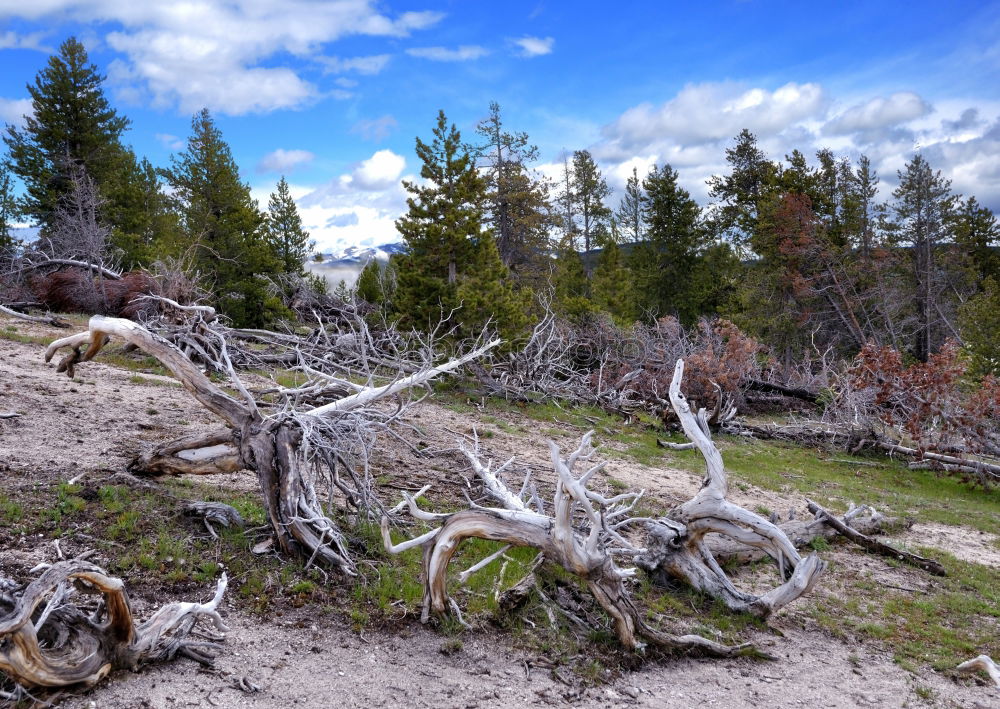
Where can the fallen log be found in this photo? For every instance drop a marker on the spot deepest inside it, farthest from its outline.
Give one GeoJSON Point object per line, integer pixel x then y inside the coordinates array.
{"type": "Point", "coordinates": [873, 545]}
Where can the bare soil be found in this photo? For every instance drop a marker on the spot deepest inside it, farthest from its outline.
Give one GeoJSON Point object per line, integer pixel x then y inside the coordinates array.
{"type": "Point", "coordinates": [93, 425]}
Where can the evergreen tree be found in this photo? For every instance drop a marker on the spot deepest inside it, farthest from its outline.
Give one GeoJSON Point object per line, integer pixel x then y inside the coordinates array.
{"type": "Point", "coordinates": [977, 233]}
{"type": "Point", "coordinates": [517, 202]}
{"type": "Point", "coordinates": [450, 255]}
{"type": "Point", "coordinates": [289, 241]}
{"type": "Point", "coordinates": [628, 218]}
{"type": "Point", "coordinates": [669, 268]}
{"type": "Point", "coordinates": [612, 285]}
{"type": "Point", "coordinates": [71, 123]}
{"type": "Point", "coordinates": [224, 222]}
{"type": "Point", "coordinates": [8, 213]}
{"type": "Point", "coordinates": [980, 321]}
{"type": "Point", "coordinates": [142, 221]}
{"type": "Point", "coordinates": [370, 286]}
{"type": "Point", "coordinates": [740, 193]}
{"type": "Point", "coordinates": [589, 191]}
{"type": "Point", "coordinates": [922, 208]}
{"type": "Point", "coordinates": [570, 285]}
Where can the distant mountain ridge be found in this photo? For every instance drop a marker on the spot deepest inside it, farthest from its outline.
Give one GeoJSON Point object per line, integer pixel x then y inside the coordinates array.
{"type": "Point", "coordinates": [359, 256]}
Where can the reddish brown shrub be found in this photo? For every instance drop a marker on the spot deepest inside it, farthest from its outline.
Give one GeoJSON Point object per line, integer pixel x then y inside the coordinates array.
{"type": "Point", "coordinates": [76, 291]}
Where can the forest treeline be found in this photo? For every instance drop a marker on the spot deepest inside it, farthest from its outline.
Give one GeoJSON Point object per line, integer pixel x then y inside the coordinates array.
{"type": "Point", "coordinates": [803, 252]}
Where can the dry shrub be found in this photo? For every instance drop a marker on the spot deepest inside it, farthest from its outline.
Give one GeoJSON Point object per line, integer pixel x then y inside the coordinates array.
{"type": "Point", "coordinates": [76, 291]}
{"type": "Point", "coordinates": [934, 403]}
{"type": "Point", "coordinates": [719, 358]}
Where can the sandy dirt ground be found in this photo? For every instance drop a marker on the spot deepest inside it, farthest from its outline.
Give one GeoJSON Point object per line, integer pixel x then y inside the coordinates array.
{"type": "Point", "coordinates": [93, 426]}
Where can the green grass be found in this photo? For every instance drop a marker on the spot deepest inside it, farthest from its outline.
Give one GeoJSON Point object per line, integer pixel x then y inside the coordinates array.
{"type": "Point", "coordinates": [957, 618]}
{"type": "Point", "coordinates": [890, 486]}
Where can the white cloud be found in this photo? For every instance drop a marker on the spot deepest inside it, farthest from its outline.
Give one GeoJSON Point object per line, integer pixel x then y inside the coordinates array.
{"type": "Point", "coordinates": [282, 160]}
{"type": "Point", "coordinates": [170, 141]}
{"type": "Point", "coordinates": [708, 112]}
{"type": "Point", "coordinates": [443, 54]}
{"type": "Point", "coordinates": [378, 172]}
{"type": "Point", "coordinates": [211, 53]}
{"type": "Point", "coordinates": [362, 65]}
{"type": "Point", "coordinates": [376, 129]}
{"type": "Point", "coordinates": [878, 113]}
{"type": "Point", "coordinates": [358, 208]}
{"type": "Point", "coordinates": [692, 130]}
{"type": "Point", "coordinates": [535, 46]}
{"type": "Point", "coordinates": [13, 110]}
{"type": "Point", "coordinates": [13, 40]}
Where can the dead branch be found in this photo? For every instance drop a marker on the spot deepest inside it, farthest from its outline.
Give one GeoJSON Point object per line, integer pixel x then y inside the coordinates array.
{"type": "Point", "coordinates": [295, 452]}
{"type": "Point", "coordinates": [79, 642]}
{"type": "Point", "coordinates": [984, 663]}
{"type": "Point", "coordinates": [873, 545]}
{"type": "Point", "coordinates": [47, 319]}
{"type": "Point", "coordinates": [676, 546]}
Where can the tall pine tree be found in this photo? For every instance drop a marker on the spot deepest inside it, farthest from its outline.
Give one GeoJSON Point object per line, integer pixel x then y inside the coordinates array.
{"type": "Point", "coordinates": [289, 241]}
{"type": "Point", "coordinates": [451, 264]}
{"type": "Point", "coordinates": [224, 223]}
{"type": "Point", "coordinates": [71, 123]}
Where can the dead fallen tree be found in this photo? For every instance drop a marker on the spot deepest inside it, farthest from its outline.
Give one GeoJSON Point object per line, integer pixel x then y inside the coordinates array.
{"type": "Point", "coordinates": [73, 625]}
{"type": "Point", "coordinates": [588, 534]}
{"type": "Point", "coordinates": [297, 452]}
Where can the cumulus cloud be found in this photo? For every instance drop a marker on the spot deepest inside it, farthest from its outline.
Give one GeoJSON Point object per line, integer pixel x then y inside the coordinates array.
{"type": "Point", "coordinates": [376, 129]}
{"type": "Point", "coordinates": [878, 114]}
{"type": "Point", "coordinates": [692, 130]}
{"type": "Point", "coordinates": [216, 53]}
{"type": "Point", "coordinates": [13, 110]}
{"type": "Point", "coordinates": [534, 46]}
{"type": "Point", "coordinates": [464, 53]}
{"type": "Point", "coordinates": [358, 208]}
{"type": "Point", "coordinates": [703, 113]}
{"type": "Point", "coordinates": [282, 160]}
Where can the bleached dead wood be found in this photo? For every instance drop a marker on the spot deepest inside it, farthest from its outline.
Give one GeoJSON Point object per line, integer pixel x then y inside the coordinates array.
{"type": "Point", "coordinates": [676, 547]}
{"type": "Point", "coordinates": [874, 545]}
{"type": "Point", "coordinates": [47, 319]}
{"type": "Point", "coordinates": [78, 642]}
{"type": "Point", "coordinates": [984, 663]}
{"type": "Point", "coordinates": [290, 450]}
{"type": "Point", "coordinates": [587, 534]}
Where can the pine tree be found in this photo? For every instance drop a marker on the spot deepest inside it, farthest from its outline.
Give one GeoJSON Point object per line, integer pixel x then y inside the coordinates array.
{"type": "Point", "coordinates": [370, 286]}
{"type": "Point", "coordinates": [71, 123]}
{"type": "Point", "coordinates": [741, 192]}
{"type": "Point", "coordinates": [669, 268]}
{"type": "Point", "coordinates": [977, 233]}
{"type": "Point", "coordinates": [289, 241]}
{"type": "Point", "coordinates": [922, 207]}
{"type": "Point", "coordinates": [450, 255]}
{"type": "Point", "coordinates": [612, 285]}
{"type": "Point", "coordinates": [589, 191]}
{"type": "Point", "coordinates": [980, 321]}
{"type": "Point", "coordinates": [142, 220]}
{"type": "Point", "coordinates": [571, 297]}
{"type": "Point", "coordinates": [8, 213]}
{"type": "Point", "coordinates": [517, 202]}
{"type": "Point", "coordinates": [224, 222]}
{"type": "Point", "coordinates": [628, 218]}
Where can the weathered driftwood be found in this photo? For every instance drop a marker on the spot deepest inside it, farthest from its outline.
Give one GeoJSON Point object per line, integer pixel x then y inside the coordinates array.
{"type": "Point", "coordinates": [214, 512]}
{"type": "Point", "coordinates": [587, 532]}
{"type": "Point", "coordinates": [677, 549]}
{"type": "Point", "coordinates": [984, 663]}
{"type": "Point", "coordinates": [78, 642]}
{"type": "Point", "coordinates": [47, 319]}
{"type": "Point", "coordinates": [803, 532]}
{"type": "Point", "coordinates": [284, 449]}
{"type": "Point", "coordinates": [874, 545]}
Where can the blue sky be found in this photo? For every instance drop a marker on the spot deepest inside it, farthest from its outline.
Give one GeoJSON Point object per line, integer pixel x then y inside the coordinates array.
{"type": "Point", "coordinates": [332, 94]}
